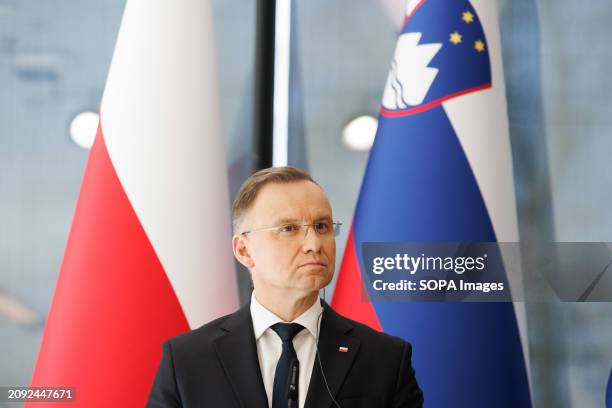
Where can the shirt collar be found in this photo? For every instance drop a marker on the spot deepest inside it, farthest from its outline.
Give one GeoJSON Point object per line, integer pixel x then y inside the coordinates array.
{"type": "Point", "coordinates": [263, 318]}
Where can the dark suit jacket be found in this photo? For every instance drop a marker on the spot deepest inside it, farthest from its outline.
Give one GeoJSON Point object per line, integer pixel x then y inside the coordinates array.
{"type": "Point", "coordinates": [217, 366]}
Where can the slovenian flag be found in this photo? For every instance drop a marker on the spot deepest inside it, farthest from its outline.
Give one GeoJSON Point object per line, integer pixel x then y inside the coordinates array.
{"type": "Point", "coordinates": [440, 170]}
{"type": "Point", "coordinates": [148, 254]}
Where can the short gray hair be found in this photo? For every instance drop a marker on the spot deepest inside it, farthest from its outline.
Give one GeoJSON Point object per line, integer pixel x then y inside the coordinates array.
{"type": "Point", "coordinates": [250, 188]}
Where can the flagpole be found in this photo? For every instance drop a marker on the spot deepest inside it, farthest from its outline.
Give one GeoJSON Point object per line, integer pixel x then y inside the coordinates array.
{"type": "Point", "coordinates": [263, 120]}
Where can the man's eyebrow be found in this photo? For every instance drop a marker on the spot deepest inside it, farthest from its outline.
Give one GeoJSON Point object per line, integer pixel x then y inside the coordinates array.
{"type": "Point", "coordinates": [296, 221]}
{"type": "Point", "coordinates": [324, 218]}
{"type": "Point", "coordinates": [287, 221]}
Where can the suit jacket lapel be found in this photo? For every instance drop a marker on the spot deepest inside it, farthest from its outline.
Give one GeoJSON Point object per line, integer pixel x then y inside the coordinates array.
{"type": "Point", "coordinates": [238, 354]}
{"type": "Point", "coordinates": [336, 363]}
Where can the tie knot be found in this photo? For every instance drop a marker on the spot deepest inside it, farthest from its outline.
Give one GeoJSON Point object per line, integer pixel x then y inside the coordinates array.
{"type": "Point", "coordinates": [287, 331]}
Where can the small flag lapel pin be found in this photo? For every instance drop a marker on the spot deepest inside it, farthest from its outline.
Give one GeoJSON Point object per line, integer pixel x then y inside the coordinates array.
{"type": "Point", "coordinates": [343, 349]}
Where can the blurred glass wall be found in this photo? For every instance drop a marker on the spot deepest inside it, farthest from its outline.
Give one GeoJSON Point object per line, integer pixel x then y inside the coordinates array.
{"type": "Point", "coordinates": [54, 57]}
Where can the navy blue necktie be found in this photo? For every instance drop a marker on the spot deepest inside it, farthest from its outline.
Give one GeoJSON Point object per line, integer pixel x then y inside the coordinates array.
{"type": "Point", "coordinates": [286, 331]}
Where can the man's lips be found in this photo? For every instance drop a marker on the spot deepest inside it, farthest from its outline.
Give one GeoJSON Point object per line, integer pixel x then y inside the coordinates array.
{"type": "Point", "coordinates": [314, 263]}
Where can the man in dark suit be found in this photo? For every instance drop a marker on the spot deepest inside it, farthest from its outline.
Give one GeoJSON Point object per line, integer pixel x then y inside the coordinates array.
{"type": "Point", "coordinates": [287, 347]}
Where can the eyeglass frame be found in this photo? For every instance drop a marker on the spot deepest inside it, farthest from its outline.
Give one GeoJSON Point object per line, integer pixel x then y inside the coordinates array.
{"type": "Point", "coordinates": [335, 228]}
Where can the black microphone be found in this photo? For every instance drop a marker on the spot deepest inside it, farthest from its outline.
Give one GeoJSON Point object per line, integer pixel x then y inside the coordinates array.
{"type": "Point", "coordinates": [292, 382]}
{"type": "Point", "coordinates": [319, 358]}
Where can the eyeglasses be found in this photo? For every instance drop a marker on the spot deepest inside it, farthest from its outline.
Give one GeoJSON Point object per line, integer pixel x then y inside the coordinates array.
{"type": "Point", "coordinates": [287, 232]}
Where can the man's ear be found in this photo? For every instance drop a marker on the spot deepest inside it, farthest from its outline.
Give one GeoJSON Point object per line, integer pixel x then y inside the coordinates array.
{"type": "Point", "coordinates": [241, 251]}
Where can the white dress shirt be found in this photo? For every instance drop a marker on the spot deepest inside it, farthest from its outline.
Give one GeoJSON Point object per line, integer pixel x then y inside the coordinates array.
{"type": "Point", "coordinates": [269, 345]}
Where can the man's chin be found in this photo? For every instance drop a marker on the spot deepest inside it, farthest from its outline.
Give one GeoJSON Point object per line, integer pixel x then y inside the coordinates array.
{"type": "Point", "coordinates": [315, 282]}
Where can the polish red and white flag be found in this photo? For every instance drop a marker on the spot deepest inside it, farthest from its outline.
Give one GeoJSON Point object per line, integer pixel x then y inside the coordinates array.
{"type": "Point", "coordinates": [149, 253]}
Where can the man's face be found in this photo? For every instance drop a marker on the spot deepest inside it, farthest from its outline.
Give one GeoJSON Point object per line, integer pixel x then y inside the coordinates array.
{"type": "Point", "coordinates": [302, 264]}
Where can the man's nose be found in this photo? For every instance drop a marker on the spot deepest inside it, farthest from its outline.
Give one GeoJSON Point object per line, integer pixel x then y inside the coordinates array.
{"type": "Point", "coordinates": [312, 240]}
